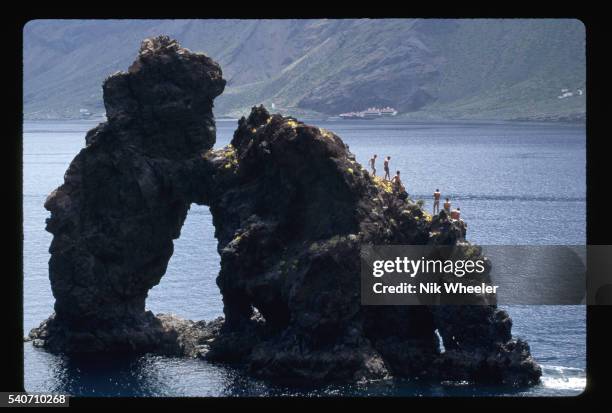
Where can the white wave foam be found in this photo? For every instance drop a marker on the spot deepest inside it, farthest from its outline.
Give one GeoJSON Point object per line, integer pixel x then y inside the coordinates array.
{"type": "Point", "coordinates": [564, 383]}
{"type": "Point", "coordinates": [563, 378]}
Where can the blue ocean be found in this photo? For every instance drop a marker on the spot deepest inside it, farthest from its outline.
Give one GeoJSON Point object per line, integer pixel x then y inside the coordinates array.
{"type": "Point", "coordinates": [516, 183]}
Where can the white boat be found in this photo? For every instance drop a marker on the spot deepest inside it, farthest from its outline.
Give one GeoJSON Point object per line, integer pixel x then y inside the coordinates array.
{"type": "Point", "coordinates": [370, 113]}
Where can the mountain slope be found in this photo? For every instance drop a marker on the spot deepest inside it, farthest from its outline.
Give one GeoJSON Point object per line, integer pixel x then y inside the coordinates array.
{"type": "Point", "coordinates": [495, 69]}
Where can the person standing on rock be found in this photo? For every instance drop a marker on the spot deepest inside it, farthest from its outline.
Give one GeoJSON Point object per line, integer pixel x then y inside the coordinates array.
{"type": "Point", "coordinates": [373, 164]}
{"type": "Point", "coordinates": [386, 168]}
{"type": "Point", "coordinates": [447, 206]}
{"type": "Point", "coordinates": [436, 205]}
{"type": "Point", "coordinates": [396, 181]}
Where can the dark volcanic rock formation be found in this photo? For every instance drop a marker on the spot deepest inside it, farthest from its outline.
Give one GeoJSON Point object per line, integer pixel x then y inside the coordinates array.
{"type": "Point", "coordinates": [125, 197]}
{"type": "Point", "coordinates": [291, 208]}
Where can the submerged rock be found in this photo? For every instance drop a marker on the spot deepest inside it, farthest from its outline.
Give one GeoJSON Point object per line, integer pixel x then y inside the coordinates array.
{"type": "Point", "coordinates": [291, 208]}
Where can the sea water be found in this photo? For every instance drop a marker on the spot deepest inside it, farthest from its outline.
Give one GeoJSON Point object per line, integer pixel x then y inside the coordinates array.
{"type": "Point", "coordinates": [516, 183]}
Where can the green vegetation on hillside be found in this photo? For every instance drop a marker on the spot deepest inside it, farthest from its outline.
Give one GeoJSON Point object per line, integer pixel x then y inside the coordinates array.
{"type": "Point", "coordinates": [461, 69]}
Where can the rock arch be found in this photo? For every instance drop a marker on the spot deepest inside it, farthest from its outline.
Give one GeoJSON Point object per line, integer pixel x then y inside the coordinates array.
{"type": "Point", "coordinates": [290, 207]}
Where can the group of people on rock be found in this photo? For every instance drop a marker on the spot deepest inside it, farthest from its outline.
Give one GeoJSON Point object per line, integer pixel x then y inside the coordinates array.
{"type": "Point", "coordinates": [396, 180]}
{"type": "Point", "coordinates": [455, 214]}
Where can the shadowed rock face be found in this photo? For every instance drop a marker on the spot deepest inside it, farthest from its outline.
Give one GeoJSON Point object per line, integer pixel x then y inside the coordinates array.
{"type": "Point", "coordinates": [126, 195]}
{"type": "Point", "coordinates": [291, 208]}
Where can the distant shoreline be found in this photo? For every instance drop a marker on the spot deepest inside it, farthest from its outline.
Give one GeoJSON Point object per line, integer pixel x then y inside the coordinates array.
{"type": "Point", "coordinates": [573, 121]}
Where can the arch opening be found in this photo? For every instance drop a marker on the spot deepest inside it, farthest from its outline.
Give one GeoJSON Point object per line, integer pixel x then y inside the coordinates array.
{"type": "Point", "coordinates": [188, 287]}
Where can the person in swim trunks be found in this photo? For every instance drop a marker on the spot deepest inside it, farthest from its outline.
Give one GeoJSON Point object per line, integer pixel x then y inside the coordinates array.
{"type": "Point", "coordinates": [386, 167]}
{"type": "Point", "coordinates": [436, 205]}
{"type": "Point", "coordinates": [396, 181]}
{"type": "Point", "coordinates": [373, 164]}
{"type": "Point", "coordinates": [447, 206]}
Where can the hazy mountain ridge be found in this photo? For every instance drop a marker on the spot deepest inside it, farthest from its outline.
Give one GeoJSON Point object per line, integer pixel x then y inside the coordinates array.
{"type": "Point", "coordinates": [479, 69]}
